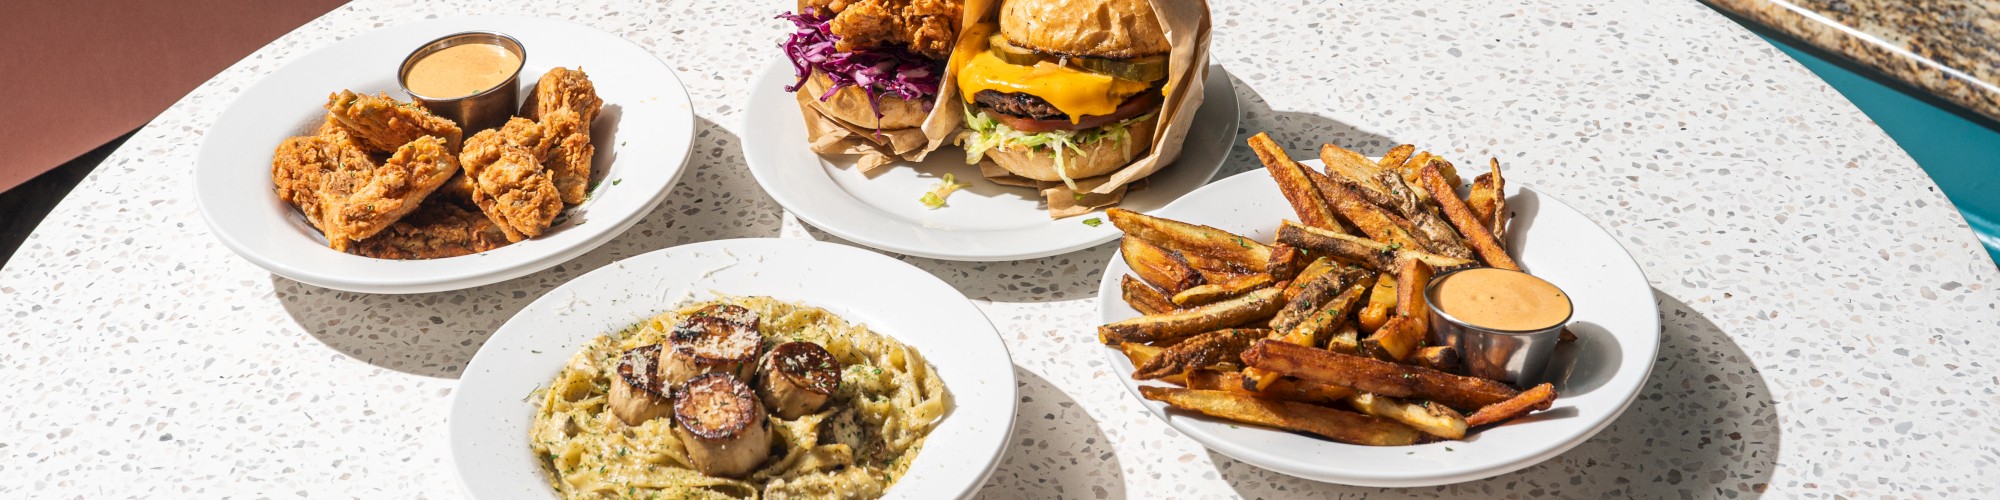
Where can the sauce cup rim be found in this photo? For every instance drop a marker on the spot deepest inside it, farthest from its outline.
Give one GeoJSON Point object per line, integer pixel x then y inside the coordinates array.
{"type": "Point", "coordinates": [427, 48]}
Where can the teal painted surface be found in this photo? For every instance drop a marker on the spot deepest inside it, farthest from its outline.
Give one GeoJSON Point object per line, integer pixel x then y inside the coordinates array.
{"type": "Point", "coordinates": [1960, 151]}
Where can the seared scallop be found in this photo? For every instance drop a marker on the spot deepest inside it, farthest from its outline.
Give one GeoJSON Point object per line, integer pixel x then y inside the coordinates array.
{"type": "Point", "coordinates": [798, 378]}
{"type": "Point", "coordinates": [718, 338]}
{"type": "Point", "coordinates": [722, 425]}
{"type": "Point", "coordinates": [637, 394]}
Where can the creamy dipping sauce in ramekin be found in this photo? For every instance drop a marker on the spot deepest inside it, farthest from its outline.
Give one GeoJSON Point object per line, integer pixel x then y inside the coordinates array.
{"type": "Point", "coordinates": [1500, 299]}
{"type": "Point", "coordinates": [461, 70]}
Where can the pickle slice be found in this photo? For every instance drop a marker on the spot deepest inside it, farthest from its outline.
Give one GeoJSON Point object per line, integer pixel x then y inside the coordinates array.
{"type": "Point", "coordinates": [1144, 69]}
{"type": "Point", "coordinates": [1012, 54]}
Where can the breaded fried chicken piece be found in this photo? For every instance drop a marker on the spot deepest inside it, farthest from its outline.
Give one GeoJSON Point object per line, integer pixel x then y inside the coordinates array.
{"type": "Point", "coordinates": [568, 159]}
{"type": "Point", "coordinates": [383, 124]}
{"type": "Point", "coordinates": [926, 27]}
{"type": "Point", "coordinates": [318, 174]}
{"type": "Point", "coordinates": [392, 190]}
{"type": "Point", "coordinates": [509, 183]}
{"type": "Point", "coordinates": [438, 229]}
{"type": "Point", "coordinates": [563, 88]}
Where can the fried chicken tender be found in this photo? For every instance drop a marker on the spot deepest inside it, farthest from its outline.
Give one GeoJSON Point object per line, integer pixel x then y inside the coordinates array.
{"type": "Point", "coordinates": [318, 173]}
{"type": "Point", "coordinates": [348, 197]}
{"type": "Point", "coordinates": [565, 103]}
{"type": "Point", "coordinates": [383, 124]}
{"type": "Point", "coordinates": [509, 183]}
{"type": "Point", "coordinates": [438, 229]}
{"type": "Point", "coordinates": [926, 27]}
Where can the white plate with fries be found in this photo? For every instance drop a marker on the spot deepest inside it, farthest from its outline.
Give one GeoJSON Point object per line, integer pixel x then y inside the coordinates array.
{"type": "Point", "coordinates": [983, 221]}
{"type": "Point", "coordinates": [1616, 321]}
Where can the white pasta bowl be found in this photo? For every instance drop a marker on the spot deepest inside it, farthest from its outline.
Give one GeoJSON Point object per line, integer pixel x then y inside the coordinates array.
{"type": "Point", "coordinates": [491, 411]}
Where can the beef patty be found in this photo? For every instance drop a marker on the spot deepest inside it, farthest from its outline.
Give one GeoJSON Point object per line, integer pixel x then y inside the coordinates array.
{"type": "Point", "coordinates": [1018, 104]}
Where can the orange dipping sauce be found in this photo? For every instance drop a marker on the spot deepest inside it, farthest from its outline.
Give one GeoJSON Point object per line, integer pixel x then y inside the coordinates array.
{"type": "Point", "coordinates": [1499, 299]}
{"type": "Point", "coordinates": [461, 70]}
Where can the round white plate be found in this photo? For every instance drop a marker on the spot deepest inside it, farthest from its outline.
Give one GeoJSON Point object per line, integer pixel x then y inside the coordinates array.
{"type": "Point", "coordinates": [985, 222]}
{"type": "Point", "coordinates": [642, 140]}
{"type": "Point", "coordinates": [1616, 320]}
{"type": "Point", "coordinates": [490, 414]}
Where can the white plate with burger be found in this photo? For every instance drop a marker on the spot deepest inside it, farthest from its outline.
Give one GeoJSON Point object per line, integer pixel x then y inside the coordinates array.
{"type": "Point", "coordinates": [892, 208]}
{"type": "Point", "coordinates": [1596, 377]}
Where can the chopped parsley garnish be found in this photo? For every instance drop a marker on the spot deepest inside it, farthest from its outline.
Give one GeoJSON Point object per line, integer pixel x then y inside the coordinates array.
{"type": "Point", "coordinates": [1093, 222]}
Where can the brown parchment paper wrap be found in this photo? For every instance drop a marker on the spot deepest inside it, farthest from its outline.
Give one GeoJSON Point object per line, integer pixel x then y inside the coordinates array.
{"type": "Point", "coordinates": [829, 135]}
{"type": "Point", "coordinates": [1187, 28]}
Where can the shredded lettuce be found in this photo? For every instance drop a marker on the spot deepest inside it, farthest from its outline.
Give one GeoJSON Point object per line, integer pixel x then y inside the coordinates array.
{"type": "Point", "coordinates": [876, 71]}
{"type": "Point", "coordinates": [983, 133]}
{"type": "Point", "coordinates": [943, 189]}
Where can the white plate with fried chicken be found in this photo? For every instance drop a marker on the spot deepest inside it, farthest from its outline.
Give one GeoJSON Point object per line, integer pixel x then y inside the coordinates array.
{"type": "Point", "coordinates": [326, 172]}
{"type": "Point", "coordinates": [1326, 410]}
{"type": "Point", "coordinates": [540, 410]}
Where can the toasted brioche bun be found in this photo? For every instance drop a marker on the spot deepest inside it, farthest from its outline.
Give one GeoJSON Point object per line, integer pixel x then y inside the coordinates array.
{"type": "Point", "coordinates": [1115, 29]}
{"type": "Point", "coordinates": [1098, 158]}
{"type": "Point", "coordinates": [851, 105]}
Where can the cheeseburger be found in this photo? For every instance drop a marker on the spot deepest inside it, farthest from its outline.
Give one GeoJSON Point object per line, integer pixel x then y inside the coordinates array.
{"type": "Point", "coordinates": [874, 64]}
{"type": "Point", "coordinates": [1059, 90]}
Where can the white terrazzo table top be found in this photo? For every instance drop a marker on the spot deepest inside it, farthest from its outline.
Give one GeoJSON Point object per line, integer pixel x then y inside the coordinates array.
{"type": "Point", "coordinates": [1829, 319]}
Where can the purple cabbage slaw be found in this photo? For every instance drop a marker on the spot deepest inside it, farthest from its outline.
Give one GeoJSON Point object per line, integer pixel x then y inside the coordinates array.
{"type": "Point", "coordinates": [876, 71]}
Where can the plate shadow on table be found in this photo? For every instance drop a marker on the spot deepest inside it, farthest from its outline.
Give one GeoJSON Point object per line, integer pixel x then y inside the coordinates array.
{"type": "Point", "coordinates": [1058, 449]}
{"type": "Point", "coordinates": [436, 334]}
{"type": "Point", "coordinates": [1300, 133]}
{"type": "Point", "coordinates": [1705, 408]}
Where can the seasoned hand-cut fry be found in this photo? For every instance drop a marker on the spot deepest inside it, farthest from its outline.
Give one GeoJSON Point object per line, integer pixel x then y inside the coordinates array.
{"type": "Point", "coordinates": [1488, 201]}
{"type": "Point", "coordinates": [1286, 261]}
{"type": "Point", "coordinates": [1381, 302]}
{"type": "Point", "coordinates": [1191, 239]}
{"type": "Point", "coordinates": [1157, 266]}
{"type": "Point", "coordinates": [1419, 161]}
{"type": "Point", "coordinates": [1308, 301]}
{"type": "Point", "coordinates": [1342, 426]}
{"type": "Point", "coordinates": [1306, 276]}
{"type": "Point", "coordinates": [1393, 160]}
{"type": "Point", "coordinates": [1410, 300]}
{"type": "Point", "coordinates": [1436, 232]}
{"type": "Point", "coordinates": [1202, 351]}
{"type": "Point", "coordinates": [1440, 358]}
{"type": "Point", "coordinates": [1461, 217]}
{"type": "Point", "coordinates": [1313, 329]}
{"type": "Point", "coordinates": [1534, 399]}
{"type": "Point", "coordinates": [1395, 340]}
{"type": "Point", "coordinates": [1215, 292]}
{"type": "Point", "coordinates": [1291, 177]}
{"type": "Point", "coordinates": [1345, 339]}
{"type": "Point", "coordinates": [1341, 162]}
{"type": "Point", "coordinates": [1433, 419]}
{"type": "Point", "coordinates": [1180, 324]}
{"type": "Point", "coordinates": [1143, 297]}
{"type": "Point", "coordinates": [1285, 388]}
{"type": "Point", "coordinates": [1139, 354]}
{"type": "Point", "coordinates": [1380, 377]}
{"type": "Point", "coordinates": [1367, 253]}
{"type": "Point", "coordinates": [1373, 220]}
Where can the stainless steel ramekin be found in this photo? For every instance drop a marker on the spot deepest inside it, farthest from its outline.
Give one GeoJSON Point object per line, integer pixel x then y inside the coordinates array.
{"type": "Point", "coordinates": [1517, 357]}
{"type": "Point", "coordinates": [480, 111]}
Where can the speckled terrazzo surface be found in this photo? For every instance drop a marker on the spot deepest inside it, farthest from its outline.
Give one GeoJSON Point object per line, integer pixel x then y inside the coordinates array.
{"type": "Point", "coordinates": [1912, 41]}
{"type": "Point", "coordinates": [1828, 317]}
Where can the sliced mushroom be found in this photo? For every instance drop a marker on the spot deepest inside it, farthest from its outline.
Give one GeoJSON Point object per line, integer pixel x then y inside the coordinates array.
{"type": "Point", "coordinates": [722, 425]}
{"type": "Point", "coordinates": [798, 378]}
{"type": "Point", "coordinates": [637, 395]}
{"type": "Point", "coordinates": [717, 338]}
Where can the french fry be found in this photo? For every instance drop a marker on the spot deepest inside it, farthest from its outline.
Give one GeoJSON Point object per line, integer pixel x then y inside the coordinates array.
{"type": "Point", "coordinates": [1410, 300]}
{"type": "Point", "coordinates": [1395, 340]}
{"type": "Point", "coordinates": [1202, 351]}
{"type": "Point", "coordinates": [1373, 220]}
{"type": "Point", "coordinates": [1488, 200]}
{"type": "Point", "coordinates": [1367, 194]}
{"type": "Point", "coordinates": [1193, 240]}
{"type": "Point", "coordinates": [1364, 252]}
{"type": "Point", "coordinates": [1213, 292]}
{"type": "Point", "coordinates": [1393, 160]}
{"type": "Point", "coordinates": [1143, 297]}
{"type": "Point", "coordinates": [1433, 419]}
{"type": "Point", "coordinates": [1534, 399]}
{"type": "Point", "coordinates": [1440, 358]}
{"type": "Point", "coordinates": [1461, 217]}
{"type": "Point", "coordinates": [1345, 339]}
{"type": "Point", "coordinates": [1341, 162]}
{"type": "Point", "coordinates": [1416, 165]}
{"type": "Point", "coordinates": [1291, 178]}
{"type": "Point", "coordinates": [1157, 266]}
{"type": "Point", "coordinates": [1285, 388]}
{"type": "Point", "coordinates": [1286, 262]}
{"type": "Point", "coordinates": [1424, 221]}
{"type": "Point", "coordinates": [1311, 331]}
{"type": "Point", "coordinates": [1177, 325]}
{"type": "Point", "coordinates": [1308, 301]}
{"type": "Point", "coordinates": [1381, 301]}
{"type": "Point", "coordinates": [1342, 426]}
{"type": "Point", "coordinates": [1312, 271]}
{"type": "Point", "coordinates": [1379, 377]}
{"type": "Point", "coordinates": [1139, 354]}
